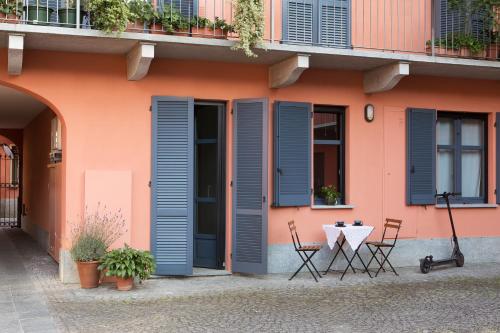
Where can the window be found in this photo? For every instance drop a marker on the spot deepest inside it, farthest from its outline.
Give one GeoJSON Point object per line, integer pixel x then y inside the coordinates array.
{"type": "Point", "coordinates": [328, 151]}
{"type": "Point", "coordinates": [461, 156]}
{"type": "Point", "coordinates": [317, 22]}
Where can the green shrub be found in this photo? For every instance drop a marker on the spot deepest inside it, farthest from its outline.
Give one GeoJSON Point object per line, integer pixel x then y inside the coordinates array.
{"type": "Point", "coordinates": [127, 262]}
{"type": "Point", "coordinates": [92, 237]}
{"type": "Point", "coordinates": [109, 15]}
{"type": "Point", "coordinates": [141, 10]}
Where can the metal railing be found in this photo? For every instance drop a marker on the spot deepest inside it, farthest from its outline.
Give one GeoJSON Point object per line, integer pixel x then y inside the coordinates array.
{"type": "Point", "coordinates": [430, 27]}
{"type": "Point", "coordinates": [9, 190]}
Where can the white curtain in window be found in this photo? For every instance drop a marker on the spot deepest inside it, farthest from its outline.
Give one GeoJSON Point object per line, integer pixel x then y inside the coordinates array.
{"type": "Point", "coordinates": [445, 173]}
{"type": "Point", "coordinates": [471, 173]}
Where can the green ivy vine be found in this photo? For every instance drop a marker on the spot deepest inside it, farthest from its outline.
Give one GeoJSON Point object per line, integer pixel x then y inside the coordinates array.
{"type": "Point", "coordinates": [249, 24]}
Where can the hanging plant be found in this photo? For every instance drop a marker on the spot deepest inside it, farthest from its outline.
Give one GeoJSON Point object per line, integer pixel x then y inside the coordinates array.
{"type": "Point", "coordinates": [249, 24]}
{"type": "Point", "coordinates": [109, 15]}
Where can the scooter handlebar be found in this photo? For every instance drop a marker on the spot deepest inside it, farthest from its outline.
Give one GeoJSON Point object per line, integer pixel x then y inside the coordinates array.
{"type": "Point", "coordinates": [447, 194]}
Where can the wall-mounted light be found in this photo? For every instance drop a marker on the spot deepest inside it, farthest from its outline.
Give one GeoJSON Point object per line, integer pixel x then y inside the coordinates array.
{"type": "Point", "coordinates": [369, 112]}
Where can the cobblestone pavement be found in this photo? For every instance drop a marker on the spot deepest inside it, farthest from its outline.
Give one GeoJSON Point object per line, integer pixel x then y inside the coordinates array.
{"type": "Point", "coordinates": [447, 300]}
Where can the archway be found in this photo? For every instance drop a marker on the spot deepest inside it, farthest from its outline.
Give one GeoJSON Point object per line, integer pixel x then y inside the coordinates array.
{"type": "Point", "coordinates": [37, 130]}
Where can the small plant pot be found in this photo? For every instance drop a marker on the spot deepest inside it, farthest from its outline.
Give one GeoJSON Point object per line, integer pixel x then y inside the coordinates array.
{"type": "Point", "coordinates": [67, 17]}
{"type": "Point", "coordinates": [464, 52]}
{"type": "Point", "coordinates": [201, 32]}
{"type": "Point", "coordinates": [331, 202]}
{"type": "Point", "coordinates": [443, 51]}
{"type": "Point", "coordinates": [124, 284]}
{"type": "Point", "coordinates": [493, 51]}
{"type": "Point", "coordinates": [88, 273]}
{"type": "Point", "coordinates": [218, 33]}
{"type": "Point", "coordinates": [157, 29]}
{"type": "Point", "coordinates": [9, 18]}
{"type": "Point", "coordinates": [137, 26]}
{"type": "Point", "coordinates": [183, 32]}
{"type": "Point", "coordinates": [38, 15]}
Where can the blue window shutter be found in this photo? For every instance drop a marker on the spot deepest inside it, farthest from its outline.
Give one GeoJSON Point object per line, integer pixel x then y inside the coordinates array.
{"type": "Point", "coordinates": [292, 154]}
{"type": "Point", "coordinates": [250, 140]}
{"type": "Point", "coordinates": [172, 185]}
{"type": "Point", "coordinates": [498, 156]}
{"type": "Point", "coordinates": [421, 156]}
{"type": "Point", "coordinates": [299, 19]}
{"type": "Point", "coordinates": [335, 23]}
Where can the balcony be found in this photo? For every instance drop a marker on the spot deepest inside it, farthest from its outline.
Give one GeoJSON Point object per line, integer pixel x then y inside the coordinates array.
{"type": "Point", "coordinates": [346, 34]}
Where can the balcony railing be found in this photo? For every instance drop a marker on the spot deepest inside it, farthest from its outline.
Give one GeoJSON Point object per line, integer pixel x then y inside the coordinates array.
{"type": "Point", "coordinates": [430, 27]}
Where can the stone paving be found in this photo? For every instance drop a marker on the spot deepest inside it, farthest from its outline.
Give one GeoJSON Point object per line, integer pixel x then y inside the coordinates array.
{"type": "Point", "coordinates": [446, 300]}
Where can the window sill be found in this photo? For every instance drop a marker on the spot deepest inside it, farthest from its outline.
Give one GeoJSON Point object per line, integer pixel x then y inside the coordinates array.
{"type": "Point", "coordinates": [441, 206]}
{"type": "Point", "coordinates": [332, 206]}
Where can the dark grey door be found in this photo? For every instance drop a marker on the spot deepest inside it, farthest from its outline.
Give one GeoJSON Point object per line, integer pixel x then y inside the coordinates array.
{"type": "Point", "coordinates": [250, 204]}
{"type": "Point", "coordinates": [209, 225]}
{"type": "Point", "coordinates": [172, 185]}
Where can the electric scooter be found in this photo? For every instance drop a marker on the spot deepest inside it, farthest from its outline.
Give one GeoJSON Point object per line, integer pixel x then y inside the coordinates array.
{"type": "Point", "coordinates": [457, 257]}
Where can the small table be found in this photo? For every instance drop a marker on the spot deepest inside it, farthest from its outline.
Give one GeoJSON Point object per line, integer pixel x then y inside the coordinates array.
{"type": "Point", "coordinates": [354, 235]}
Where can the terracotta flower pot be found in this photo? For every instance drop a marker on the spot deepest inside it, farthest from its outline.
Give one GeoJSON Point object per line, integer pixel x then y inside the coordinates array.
{"type": "Point", "coordinates": [493, 51]}
{"type": "Point", "coordinates": [9, 18]}
{"type": "Point", "coordinates": [137, 26]}
{"type": "Point", "coordinates": [219, 33]}
{"type": "Point", "coordinates": [157, 29]}
{"type": "Point", "coordinates": [124, 284]}
{"type": "Point", "coordinates": [201, 32]}
{"type": "Point", "coordinates": [183, 32]}
{"type": "Point", "coordinates": [89, 274]}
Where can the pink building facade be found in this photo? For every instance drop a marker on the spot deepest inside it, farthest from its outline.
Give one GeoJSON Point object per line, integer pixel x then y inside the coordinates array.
{"type": "Point", "coordinates": [208, 153]}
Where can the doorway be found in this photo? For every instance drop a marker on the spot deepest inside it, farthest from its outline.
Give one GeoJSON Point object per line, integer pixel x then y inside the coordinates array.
{"type": "Point", "coordinates": [209, 185]}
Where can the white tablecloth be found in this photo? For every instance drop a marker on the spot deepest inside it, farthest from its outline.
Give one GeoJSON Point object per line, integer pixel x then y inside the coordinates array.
{"type": "Point", "coordinates": [353, 235]}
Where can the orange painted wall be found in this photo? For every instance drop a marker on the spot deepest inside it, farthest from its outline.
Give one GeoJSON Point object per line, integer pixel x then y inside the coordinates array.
{"type": "Point", "coordinates": [36, 148]}
{"type": "Point", "coordinates": [107, 124]}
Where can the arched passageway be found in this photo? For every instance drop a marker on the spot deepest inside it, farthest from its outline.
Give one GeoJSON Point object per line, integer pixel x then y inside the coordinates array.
{"type": "Point", "coordinates": [31, 168]}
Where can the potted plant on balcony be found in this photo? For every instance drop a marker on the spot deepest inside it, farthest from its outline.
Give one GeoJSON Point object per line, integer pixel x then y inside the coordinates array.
{"type": "Point", "coordinates": [108, 15]}
{"type": "Point", "coordinates": [91, 239]}
{"type": "Point", "coordinates": [249, 25]}
{"type": "Point", "coordinates": [222, 28]}
{"type": "Point", "coordinates": [173, 21]}
{"type": "Point", "coordinates": [126, 264]}
{"type": "Point", "coordinates": [141, 13]}
{"type": "Point", "coordinates": [330, 195]}
{"type": "Point", "coordinates": [10, 11]}
{"type": "Point", "coordinates": [201, 27]}
{"type": "Point", "coordinates": [155, 23]}
{"type": "Point", "coordinates": [38, 13]}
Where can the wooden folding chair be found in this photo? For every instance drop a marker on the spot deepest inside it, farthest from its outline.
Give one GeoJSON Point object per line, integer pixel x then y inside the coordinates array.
{"type": "Point", "coordinates": [305, 252]}
{"type": "Point", "coordinates": [394, 225]}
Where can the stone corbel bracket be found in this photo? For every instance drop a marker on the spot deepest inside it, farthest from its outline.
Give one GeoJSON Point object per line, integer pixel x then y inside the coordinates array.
{"type": "Point", "coordinates": [287, 72]}
{"type": "Point", "coordinates": [385, 78]}
{"type": "Point", "coordinates": [15, 54]}
{"type": "Point", "coordinates": [139, 59]}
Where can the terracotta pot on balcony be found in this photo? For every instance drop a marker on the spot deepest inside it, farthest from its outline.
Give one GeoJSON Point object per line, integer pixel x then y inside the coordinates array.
{"type": "Point", "coordinates": [9, 18]}
{"type": "Point", "coordinates": [204, 32]}
{"type": "Point", "coordinates": [443, 51]}
{"type": "Point", "coordinates": [182, 32]}
{"type": "Point", "coordinates": [219, 33]}
{"type": "Point", "coordinates": [157, 29]}
{"type": "Point", "coordinates": [88, 273]}
{"type": "Point", "coordinates": [137, 26]}
{"type": "Point", "coordinates": [493, 51]}
{"type": "Point", "coordinates": [124, 284]}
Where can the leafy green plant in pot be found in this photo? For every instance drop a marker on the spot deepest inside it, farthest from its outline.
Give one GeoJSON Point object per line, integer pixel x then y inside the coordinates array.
{"type": "Point", "coordinates": [108, 15]}
{"type": "Point", "coordinates": [38, 12]}
{"type": "Point", "coordinates": [330, 194]}
{"type": "Point", "coordinates": [201, 27]}
{"type": "Point", "coordinates": [10, 11]}
{"type": "Point", "coordinates": [222, 28]}
{"type": "Point", "coordinates": [141, 13]}
{"type": "Point", "coordinates": [173, 21]}
{"type": "Point", "coordinates": [126, 264]}
{"type": "Point", "coordinates": [90, 240]}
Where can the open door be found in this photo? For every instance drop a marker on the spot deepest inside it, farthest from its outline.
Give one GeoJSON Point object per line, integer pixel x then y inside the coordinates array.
{"type": "Point", "coordinates": [172, 185]}
{"type": "Point", "coordinates": [250, 203]}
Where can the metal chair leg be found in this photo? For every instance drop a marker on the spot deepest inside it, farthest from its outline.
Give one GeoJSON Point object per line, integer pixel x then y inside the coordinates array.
{"type": "Point", "coordinates": [386, 260]}
{"type": "Point", "coordinates": [312, 264]}
{"type": "Point", "coordinates": [374, 256]}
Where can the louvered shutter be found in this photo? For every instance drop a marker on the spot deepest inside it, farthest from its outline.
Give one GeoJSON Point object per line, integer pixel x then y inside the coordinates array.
{"type": "Point", "coordinates": [498, 156]}
{"type": "Point", "coordinates": [250, 186]}
{"type": "Point", "coordinates": [292, 154]}
{"type": "Point", "coordinates": [172, 185]}
{"type": "Point", "coordinates": [334, 25]}
{"type": "Point", "coordinates": [421, 156]}
{"type": "Point", "coordinates": [299, 21]}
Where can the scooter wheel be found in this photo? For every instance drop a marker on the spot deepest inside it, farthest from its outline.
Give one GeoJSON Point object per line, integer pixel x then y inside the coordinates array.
{"type": "Point", "coordinates": [460, 260]}
{"type": "Point", "coordinates": [425, 265]}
